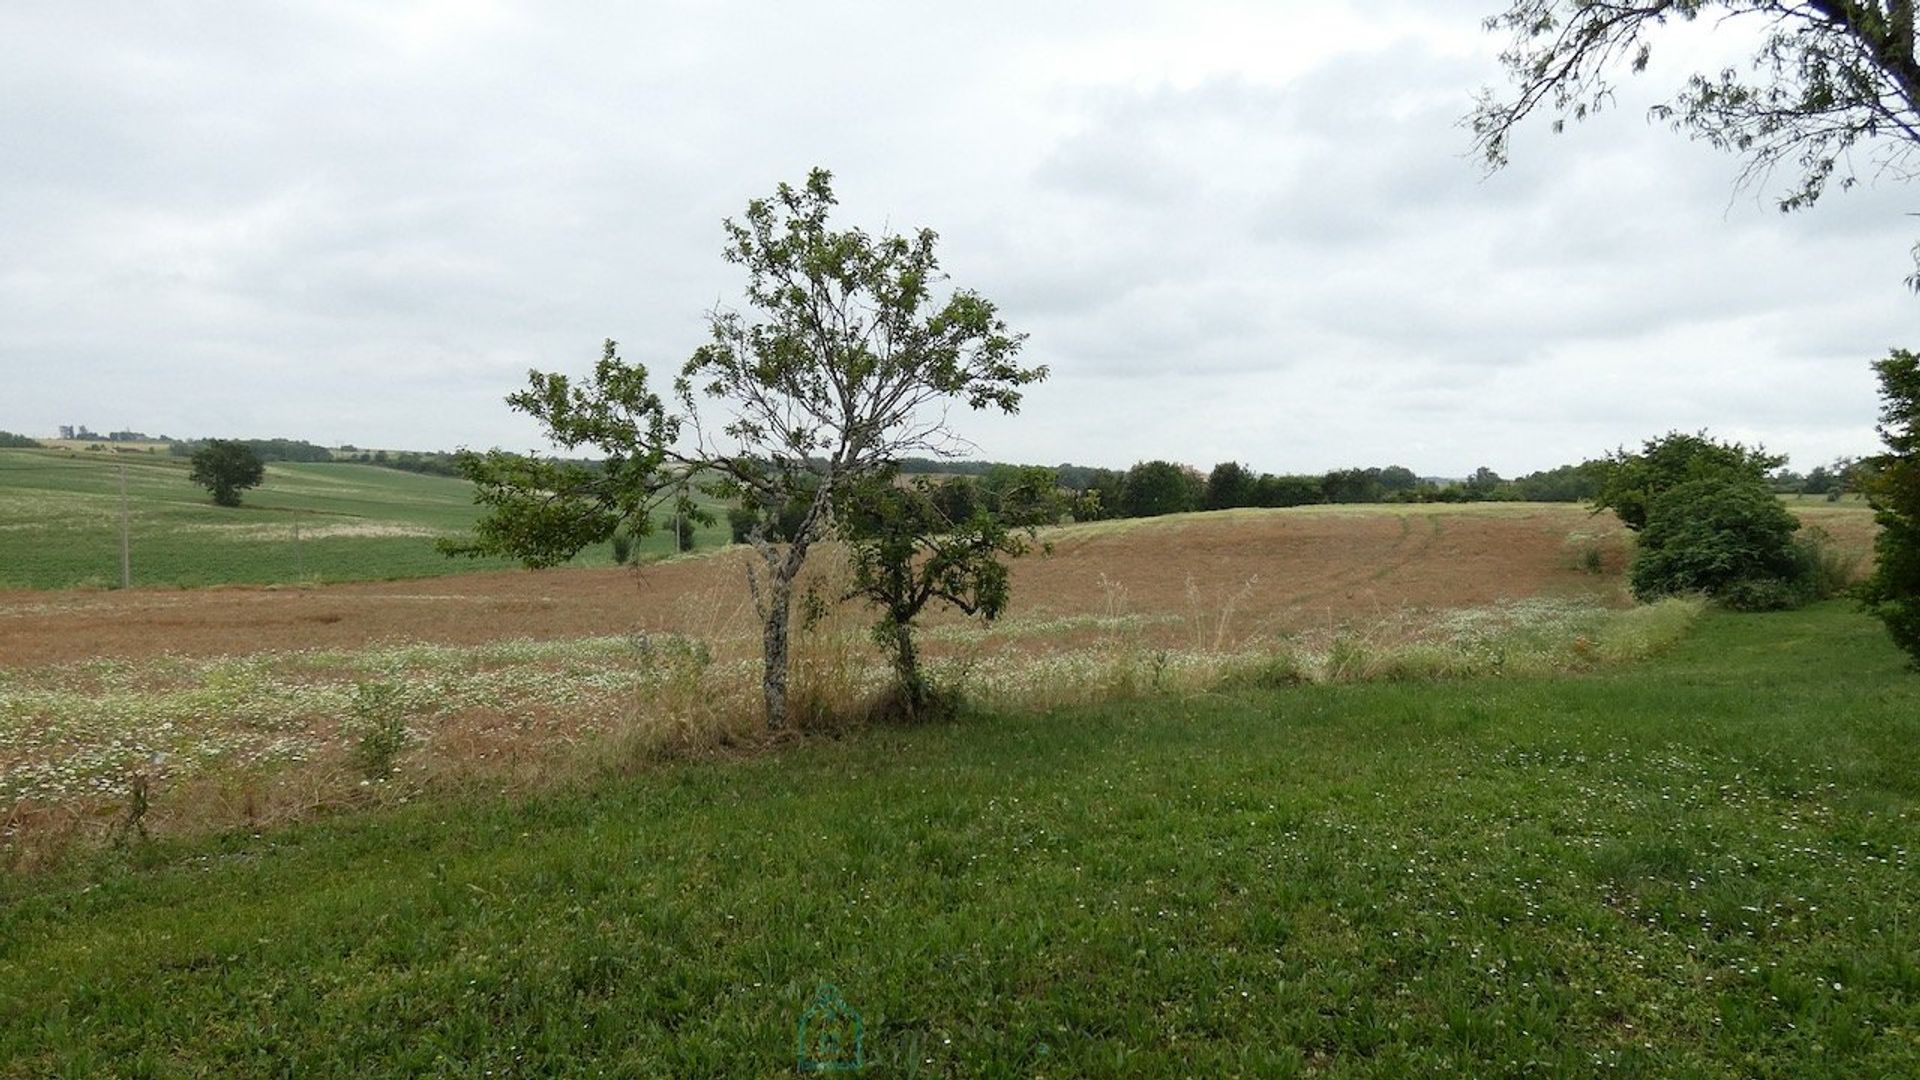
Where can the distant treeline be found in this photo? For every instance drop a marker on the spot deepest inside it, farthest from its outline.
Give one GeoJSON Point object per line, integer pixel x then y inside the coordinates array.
{"type": "Point", "coordinates": [264, 449]}
{"type": "Point", "coordinates": [10, 441]}
{"type": "Point", "coordinates": [1152, 488]}
{"type": "Point", "coordinates": [427, 462]}
{"type": "Point", "coordinates": [1833, 480]}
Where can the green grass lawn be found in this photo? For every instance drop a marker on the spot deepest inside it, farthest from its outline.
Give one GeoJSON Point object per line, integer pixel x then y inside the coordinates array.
{"type": "Point", "coordinates": [60, 523]}
{"type": "Point", "coordinates": [1701, 866]}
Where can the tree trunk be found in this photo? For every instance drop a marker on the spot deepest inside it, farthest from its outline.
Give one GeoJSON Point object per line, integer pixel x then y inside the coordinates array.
{"type": "Point", "coordinates": [906, 667]}
{"type": "Point", "coordinates": [783, 568]}
{"type": "Point", "coordinates": [773, 676]}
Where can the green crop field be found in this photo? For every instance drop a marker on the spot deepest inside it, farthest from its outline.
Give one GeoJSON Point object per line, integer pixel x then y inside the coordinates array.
{"type": "Point", "coordinates": [60, 523]}
{"type": "Point", "coordinates": [1701, 865]}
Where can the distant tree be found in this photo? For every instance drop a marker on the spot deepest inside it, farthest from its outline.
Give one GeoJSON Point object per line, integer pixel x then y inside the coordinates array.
{"type": "Point", "coordinates": [1483, 482]}
{"type": "Point", "coordinates": [1398, 478]}
{"type": "Point", "coordinates": [956, 498]}
{"type": "Point", "coordinates": [1727, 536]}
{"type": "Point", "coordinates": [1277, 491]}
{"type": "Point", "coordinates": [1154, 488]}
{"type": "Point", "coordinates": [9, 440]}
{"type": "Point", "coordinates": [1230, 484]}
{"type": "Point", "coordinates": [1076, 478]}
{"type": "Point", "coordinates": [1893, 487]}
{"type": "Point", "coordinates": [1022, 493]}
{"type": "Point", "coordinates": [1825, 78]}
{"type": "Point", "coordinates": [1105, 493]}
{"type": "Point", "coordinates": [1630, 482]}
{"type": "Point", "coordinates": [850, 363]}
{"type": "Point", "coordinates": [226, 468]}
{"type": "Point", "coordinates": [1565, 483]}
{"type": "Point", "coordinates": [1818, 481]}
{"type": "Point", "coordinates": [1352, 486]}
{"type": "Point", "coordinates": [905, 554]}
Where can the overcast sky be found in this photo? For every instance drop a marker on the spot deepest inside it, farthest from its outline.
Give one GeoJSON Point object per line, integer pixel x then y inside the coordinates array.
{"type": "Point", "coordinates": [1246, 231]}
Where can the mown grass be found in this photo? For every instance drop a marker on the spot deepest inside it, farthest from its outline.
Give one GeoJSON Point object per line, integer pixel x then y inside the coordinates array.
{"type": "Point", "coordinates": [1701, 866]}
{"type": "Point", "coordinates": [60, 523]}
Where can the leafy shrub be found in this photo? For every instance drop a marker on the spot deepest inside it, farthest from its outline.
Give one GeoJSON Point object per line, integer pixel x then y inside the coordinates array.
{"type": "Point", "coordinates": [1727, 537]}
{"type": "Point", "coordinates": [622, 546]}
{"type": "Point", "coordinates": [378, 729]}
{"type": "Point", "coordinates": [1632, 484]}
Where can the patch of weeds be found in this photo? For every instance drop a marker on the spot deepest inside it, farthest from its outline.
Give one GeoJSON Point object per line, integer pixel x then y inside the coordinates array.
{"type": "Point", "coordinates": [377, 729]}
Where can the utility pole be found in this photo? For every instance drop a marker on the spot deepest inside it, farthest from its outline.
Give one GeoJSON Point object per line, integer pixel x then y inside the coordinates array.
{"type": "Point", "coordinates": [126, 552]}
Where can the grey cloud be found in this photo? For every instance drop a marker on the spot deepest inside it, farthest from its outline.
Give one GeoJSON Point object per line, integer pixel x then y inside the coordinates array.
{"type": "Point", "coordinates": [364, 222]}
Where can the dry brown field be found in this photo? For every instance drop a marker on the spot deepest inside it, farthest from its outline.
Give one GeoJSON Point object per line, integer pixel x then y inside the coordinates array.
{"type": "Point", "coordinates": [241, 705]}
{"type": "Point", "coordinates": [1288, 568]}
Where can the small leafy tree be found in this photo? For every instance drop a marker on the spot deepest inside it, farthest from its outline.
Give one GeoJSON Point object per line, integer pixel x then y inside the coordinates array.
{"type": "Point", "coordinates": [850, 363]}
{"type": "Point", "coordinates": [226, 468]}
{"type": "Point", "coordinates": [1630, 483]}
{"type": "Point", "coordinates": [1727, 536]}
{"type": "Point", "coordinates": [1893, 486]}
{"type": "Point", "coordinates": [905, 554]}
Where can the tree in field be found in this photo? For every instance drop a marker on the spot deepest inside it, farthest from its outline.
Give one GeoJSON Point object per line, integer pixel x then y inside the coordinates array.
{"type": "Point", "coordinates": [226, 468]}
{"type": "Point", "coordinates": [906, 553]}
{"type": "Point", "coordinates": [1631, 482]}
{"type": "Point", "coordinates": [1893, 592]}
{"type": "Point", "coordinates": [1230, 484]}
{"type": "Point", "coordinates": [848, 362]}
{"type": "Point", "coordinates": [1832, 85]}
{"type": "Point", "coordinates": [1153, 488]}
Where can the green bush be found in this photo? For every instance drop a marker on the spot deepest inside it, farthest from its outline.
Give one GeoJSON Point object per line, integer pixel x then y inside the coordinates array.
{"type": "Point", "coordinates": [1727, 537]}
{"type": "Point", "coordinates": [1632, 484]}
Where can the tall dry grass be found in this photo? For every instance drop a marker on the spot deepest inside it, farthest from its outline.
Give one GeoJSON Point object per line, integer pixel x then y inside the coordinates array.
{"type": "Point", "coordinates": [115, 752]}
